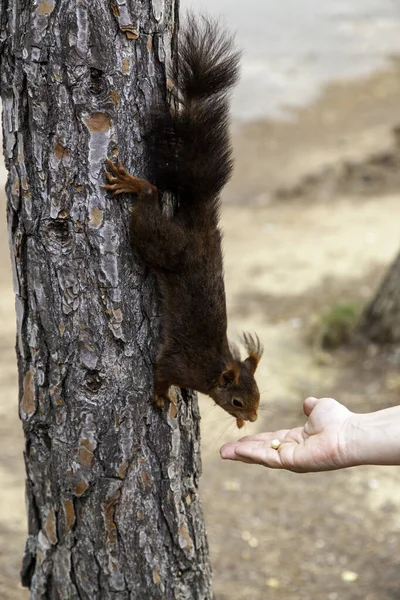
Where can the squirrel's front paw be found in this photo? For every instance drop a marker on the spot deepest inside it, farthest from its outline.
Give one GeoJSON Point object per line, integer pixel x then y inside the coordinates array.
{"type": "Point", "coordinates": [159, 401]}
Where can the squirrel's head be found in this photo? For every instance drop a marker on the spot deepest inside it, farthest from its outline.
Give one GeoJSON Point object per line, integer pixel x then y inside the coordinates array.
{"type": "Point", "coordinates": [236, 390]}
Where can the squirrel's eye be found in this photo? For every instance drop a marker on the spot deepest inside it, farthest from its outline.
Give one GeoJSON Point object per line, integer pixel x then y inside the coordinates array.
{"type": "Point", "coordinates": [237, 403]}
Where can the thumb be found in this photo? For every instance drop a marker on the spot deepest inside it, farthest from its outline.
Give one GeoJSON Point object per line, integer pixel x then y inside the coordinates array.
{"type": "Point", "coordinates": [309, 404]}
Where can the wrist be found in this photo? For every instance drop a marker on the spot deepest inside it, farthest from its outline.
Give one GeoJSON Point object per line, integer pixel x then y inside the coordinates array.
{"type": "Point", "coordinates": [349, 443]}
{"type": "Point", "coordinates": [371, 438]}
{"type": "Point", "coordinates": [352, 441]}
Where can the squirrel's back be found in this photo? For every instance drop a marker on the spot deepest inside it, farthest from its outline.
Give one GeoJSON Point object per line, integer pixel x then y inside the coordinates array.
{"type": "Point", "coordinates": [191, 145]}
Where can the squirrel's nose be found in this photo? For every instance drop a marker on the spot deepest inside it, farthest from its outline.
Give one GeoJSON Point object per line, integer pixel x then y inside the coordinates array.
{"type": "Point", "coordinates": [253, 417]}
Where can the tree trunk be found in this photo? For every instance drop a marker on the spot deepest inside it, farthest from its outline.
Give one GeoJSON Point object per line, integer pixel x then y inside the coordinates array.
{"type": "Point", "coordinates": [381, 319]}
{"type": "Point", "coordinates": [113, 506]}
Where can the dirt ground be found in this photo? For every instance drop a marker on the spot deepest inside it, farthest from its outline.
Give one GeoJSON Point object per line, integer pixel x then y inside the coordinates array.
{"type": "Point", "coordinates": [310, 219]}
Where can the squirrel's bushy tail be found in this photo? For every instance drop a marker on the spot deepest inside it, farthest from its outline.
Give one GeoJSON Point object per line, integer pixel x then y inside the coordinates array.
{"type": "Point", "coordinates": [191, 146]}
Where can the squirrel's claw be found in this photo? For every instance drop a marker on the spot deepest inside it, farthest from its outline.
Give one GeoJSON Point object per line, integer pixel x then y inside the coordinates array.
{"type": "Point", "coordinates": [117, 169]}
{"type": "Point", "coordinates": [159, 401]}
{"type": "Point", "coordinates": [112, 166]}
{"type": "Point", "coordinates": [110, 186]}
{"type": "Point", "coordinates": [110, 176]}
{"type": "Point", "coordinates": [121, 169]}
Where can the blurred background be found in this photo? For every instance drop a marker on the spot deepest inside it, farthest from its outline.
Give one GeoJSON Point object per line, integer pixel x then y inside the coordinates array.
{"type": "Point", "coordinates": [311, 222]}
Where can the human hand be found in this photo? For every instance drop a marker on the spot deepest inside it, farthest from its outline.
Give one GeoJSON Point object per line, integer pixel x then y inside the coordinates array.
{"type": "Point", "coordinates": [321, 445]}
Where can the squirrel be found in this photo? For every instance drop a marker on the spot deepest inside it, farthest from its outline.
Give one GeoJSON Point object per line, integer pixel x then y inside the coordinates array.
{"type": "Point", "coordinates": [191, 157]}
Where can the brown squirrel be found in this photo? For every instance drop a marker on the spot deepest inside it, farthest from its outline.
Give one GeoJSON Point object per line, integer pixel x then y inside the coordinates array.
{"type": "Point", "coordinates": [192, 159]}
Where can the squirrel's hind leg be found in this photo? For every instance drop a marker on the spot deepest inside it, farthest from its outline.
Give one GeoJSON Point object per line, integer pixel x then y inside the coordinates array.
{"type": "Point", "coordinates": [120, 182]}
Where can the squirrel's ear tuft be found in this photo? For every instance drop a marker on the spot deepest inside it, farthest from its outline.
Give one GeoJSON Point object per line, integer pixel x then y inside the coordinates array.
{"type": "Point", "coordinates": [255, 350]}
{"type": "Point", "coordinates": [234, 348]}
{"type": "Point", "coordinates": [230, 376]}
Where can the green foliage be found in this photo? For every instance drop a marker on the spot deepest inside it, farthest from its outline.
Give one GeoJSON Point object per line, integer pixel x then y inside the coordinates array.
{"type": "Point", "coordinates": [335, 326]}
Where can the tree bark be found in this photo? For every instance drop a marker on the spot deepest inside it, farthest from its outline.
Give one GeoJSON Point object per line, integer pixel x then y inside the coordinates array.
{"type": "Point", "coordinates": [112, 483]}
{"type": "Point", "coordinates": [380, 321]}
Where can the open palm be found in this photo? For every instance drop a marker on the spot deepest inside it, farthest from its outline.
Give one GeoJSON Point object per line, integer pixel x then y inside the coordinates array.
{"type": "Point", "coordinates": [318, 446]}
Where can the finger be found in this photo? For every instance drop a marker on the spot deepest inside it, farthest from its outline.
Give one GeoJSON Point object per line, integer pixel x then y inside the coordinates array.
{"type": "Point", "coordinates": [309, 404]}
{"type": "Point", "coordinates": [110, 186]}
{"type": "Point", "coordinates": [227, 452]}
{"type": "Point", "coordinates": [259, 453]}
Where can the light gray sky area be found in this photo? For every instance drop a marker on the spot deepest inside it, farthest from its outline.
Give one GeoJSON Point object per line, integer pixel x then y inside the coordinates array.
{"type": "Point", "coordinates": [292, 47]}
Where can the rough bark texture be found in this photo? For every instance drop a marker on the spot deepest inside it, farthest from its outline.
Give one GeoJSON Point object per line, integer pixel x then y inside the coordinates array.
{"type": "Point", "coordinates": [381, 319]}
{"type": "Point", "coordinates": [113, 506]}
